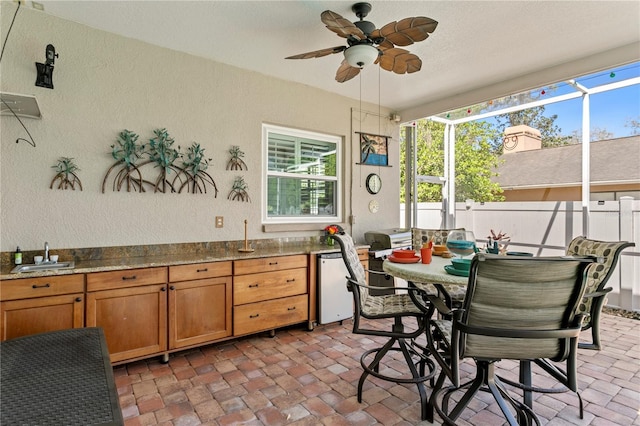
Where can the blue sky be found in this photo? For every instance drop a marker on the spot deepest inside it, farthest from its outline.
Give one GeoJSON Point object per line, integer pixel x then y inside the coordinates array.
{"type": "Point", "coordinates": [609, 111]}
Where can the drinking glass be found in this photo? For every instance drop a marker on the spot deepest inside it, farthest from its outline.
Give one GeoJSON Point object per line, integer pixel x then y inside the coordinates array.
{"type": "Point", "coordinates": [461, 243]}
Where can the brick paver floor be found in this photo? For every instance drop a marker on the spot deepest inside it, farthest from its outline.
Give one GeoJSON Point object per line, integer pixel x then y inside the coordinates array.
{"type": "Point", "coordinates": [310, 378]}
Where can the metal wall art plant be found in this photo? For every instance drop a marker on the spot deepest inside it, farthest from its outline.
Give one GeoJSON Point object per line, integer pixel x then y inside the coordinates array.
{"type": "Point", "coordinates": [194, 167]}
{"type": "Point", "coordinates": [236, 162]}
{"type": "Point", "coordinates": [163, 155]}
{"type": "Point", "coordinates": [239, 190]}
{"type": "Point", "coordinates": [127, 153]}
{"type": "Point", "coordinates": [66, 174]}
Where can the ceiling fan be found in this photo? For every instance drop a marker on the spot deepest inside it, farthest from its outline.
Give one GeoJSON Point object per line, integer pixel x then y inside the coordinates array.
{"type": "Point", "coordinates": [368, 45]}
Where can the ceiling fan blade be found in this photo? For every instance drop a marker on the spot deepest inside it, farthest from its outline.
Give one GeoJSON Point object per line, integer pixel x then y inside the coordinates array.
{"type": "Point", "coordinates": [341, 26]}
{"type": "Point", "coordinates": [407, 31]}
{"type": "Point", "coordinates": [346, 72]}
{"type": "Point", "coordinates": [400, 61]}
{"type": "Point", "coordinates": [318, 53]}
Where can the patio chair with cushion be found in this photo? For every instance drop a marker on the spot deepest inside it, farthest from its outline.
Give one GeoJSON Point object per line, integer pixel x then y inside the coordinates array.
{"type": "Point", "coordinates": [389, 306]}
{"type": "Point", "coordinates": [515, 308]}
{"type": "Point", "coordinates": [595, 296]}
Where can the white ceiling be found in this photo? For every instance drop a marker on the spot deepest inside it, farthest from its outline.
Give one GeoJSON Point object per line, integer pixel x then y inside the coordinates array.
{"type": "Point", "coordinates": [476, 44]}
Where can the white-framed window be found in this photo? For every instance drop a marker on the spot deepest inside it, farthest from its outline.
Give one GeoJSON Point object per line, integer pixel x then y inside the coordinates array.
{"type": "Point", "coordinates": [301, 176]}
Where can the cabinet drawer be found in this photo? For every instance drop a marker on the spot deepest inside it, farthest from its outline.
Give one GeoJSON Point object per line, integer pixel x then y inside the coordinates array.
{"type": "Point", "coordinates": [269, 285]}
{"type": "Point", "coordinates": [126, 278]}
{"type": "Point", "coordinates": [270, 314]}
{"type": "Point", "coordinates": [41, 286]}
{"type": "Point", "coordinates": [266, 264]}
{"type": "Point", "coordinates": [199, 271]}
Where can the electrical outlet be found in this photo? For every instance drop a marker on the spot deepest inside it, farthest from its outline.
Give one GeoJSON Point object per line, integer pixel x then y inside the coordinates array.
{"type": "Point", "coordinates": [219, 221]}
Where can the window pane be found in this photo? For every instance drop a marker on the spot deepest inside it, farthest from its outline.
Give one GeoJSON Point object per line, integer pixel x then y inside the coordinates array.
{"type": "Point", "coordinates": [298, 155]}
{"type": "Point", "coordinates": [296, 197]}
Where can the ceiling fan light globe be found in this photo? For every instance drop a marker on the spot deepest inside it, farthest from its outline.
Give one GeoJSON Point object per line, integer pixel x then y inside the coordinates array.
{"type": "Point", "coordinates": [361, 55]}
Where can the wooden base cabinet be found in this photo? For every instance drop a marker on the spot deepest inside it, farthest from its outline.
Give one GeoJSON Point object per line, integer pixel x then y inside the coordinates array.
{"type": "Point", "coordinates": [131, 307]}
{"type": "Point", "coordinates": [200, 303]}
{"type": "Point", "coordinates": [269, 293]}
{"type": "Point", "coordinates": [38, 305]}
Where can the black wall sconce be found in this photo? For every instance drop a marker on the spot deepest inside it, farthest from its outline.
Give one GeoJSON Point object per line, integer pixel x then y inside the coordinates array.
{"type": "Point", "coordinates": [45, 71]}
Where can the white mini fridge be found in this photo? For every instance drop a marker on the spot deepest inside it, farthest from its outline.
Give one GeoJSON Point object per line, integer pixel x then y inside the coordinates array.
{"type": "Point", "coordinates": [335, 302]}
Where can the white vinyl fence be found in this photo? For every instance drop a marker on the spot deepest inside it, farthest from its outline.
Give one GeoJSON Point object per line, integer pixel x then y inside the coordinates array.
{"type": "Point", "coordinates": [546, 228]}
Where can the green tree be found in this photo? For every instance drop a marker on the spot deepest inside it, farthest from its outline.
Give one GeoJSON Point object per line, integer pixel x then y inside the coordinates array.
{"type": "Point", "coordinates": [532, 117]}
{"type": "Point", "coordinates": [475, 161]}
{"type": "Point", "coordinates": [633, 124]}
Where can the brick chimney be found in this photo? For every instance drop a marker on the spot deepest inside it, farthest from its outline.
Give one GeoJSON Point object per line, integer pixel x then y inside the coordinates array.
{"type": "Point", "coordinates": [521, 138]}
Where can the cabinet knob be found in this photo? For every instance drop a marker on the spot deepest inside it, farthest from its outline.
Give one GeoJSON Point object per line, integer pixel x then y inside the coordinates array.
{"type": "Point", "coordinates": [47, 285]}
{"type": "Point", "coordinates": [78, 299]}
{"type": "Point", "coordinates": [172, 287]}
{"type": "Point", "coordinates": [163, 289]}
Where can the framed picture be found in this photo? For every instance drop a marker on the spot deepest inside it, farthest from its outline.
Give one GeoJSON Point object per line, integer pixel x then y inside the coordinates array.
{"type": "Point", "coordinates": [373, 149]}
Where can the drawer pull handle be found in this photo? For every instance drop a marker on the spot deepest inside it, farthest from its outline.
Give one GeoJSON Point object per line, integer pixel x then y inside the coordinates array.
{"type": "Point", "coordinates": [291, 280]}
{"type": "Point", "coordinates": [202, 270]}
{"type": "Point", "coordinates": [291, 309]}
{"type": "Point", "coordinates": [47, 285]}
{"type": "Point", "coordinates": [254, 316]}
{"type": "Point", "coordinates": [273, 263]}
{"type": "Point", "coordinates": [132, 277]}
{"type": "Point", "coordinates": [254, 285]}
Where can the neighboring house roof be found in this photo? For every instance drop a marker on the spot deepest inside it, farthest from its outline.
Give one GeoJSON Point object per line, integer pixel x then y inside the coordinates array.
{"type": "Point", "coordinates": [613, 161]}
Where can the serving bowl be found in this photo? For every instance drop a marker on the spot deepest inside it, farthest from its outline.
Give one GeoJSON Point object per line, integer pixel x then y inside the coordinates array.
{"type": "Point", "coordinates": [402, 253]}
{"type": "Point", "coordinates": [461, 264]}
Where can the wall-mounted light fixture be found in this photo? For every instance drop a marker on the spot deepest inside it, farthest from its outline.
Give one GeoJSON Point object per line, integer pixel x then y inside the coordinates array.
{"type": "Point", "coordinates": [45, 71]}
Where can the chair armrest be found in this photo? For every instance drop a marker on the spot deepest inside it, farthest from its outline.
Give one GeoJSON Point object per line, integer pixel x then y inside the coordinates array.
{"type": "Point", "coordinates": [598, 293]}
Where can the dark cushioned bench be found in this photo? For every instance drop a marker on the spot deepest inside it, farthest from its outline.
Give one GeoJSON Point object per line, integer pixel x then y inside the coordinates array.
{"type": "Point", "coordinates": [58, 378]}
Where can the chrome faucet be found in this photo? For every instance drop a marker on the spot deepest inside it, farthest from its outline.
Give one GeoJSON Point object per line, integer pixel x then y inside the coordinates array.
{"type": "Point", "coordinates": [46, 252]}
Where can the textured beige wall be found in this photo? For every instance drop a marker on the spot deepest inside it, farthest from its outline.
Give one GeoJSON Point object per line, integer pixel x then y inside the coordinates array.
{"type": "Point", "coordinates": [106, 83]}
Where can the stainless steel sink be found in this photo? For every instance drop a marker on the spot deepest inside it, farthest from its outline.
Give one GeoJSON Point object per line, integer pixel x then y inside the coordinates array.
{"type": "Point", "coordinates": [48, 266]}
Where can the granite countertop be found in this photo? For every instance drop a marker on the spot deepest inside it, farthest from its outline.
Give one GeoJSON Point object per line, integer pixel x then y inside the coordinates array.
{"type": "Point", "coordinates": [150, 261]}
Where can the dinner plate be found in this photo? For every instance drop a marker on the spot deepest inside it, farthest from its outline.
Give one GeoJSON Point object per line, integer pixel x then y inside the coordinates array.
{"type": "Point", "coordinates": [453, 271]}
{"type": "Point", "coordinates": [394, 259]}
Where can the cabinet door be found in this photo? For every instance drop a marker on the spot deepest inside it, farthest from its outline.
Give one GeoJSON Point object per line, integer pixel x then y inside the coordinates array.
{"type": "Point", "coordinates": [41, 314]}
{"type": "Point", "coordinates": [199, 311]}
{"type": "Point", "coordinates": [134, 320]}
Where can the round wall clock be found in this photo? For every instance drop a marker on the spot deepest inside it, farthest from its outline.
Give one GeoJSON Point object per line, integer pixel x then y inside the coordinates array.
{"type": "Point", "coordinates": [374, 183]}
{"type": "Point", "coordinates": [374, 206]}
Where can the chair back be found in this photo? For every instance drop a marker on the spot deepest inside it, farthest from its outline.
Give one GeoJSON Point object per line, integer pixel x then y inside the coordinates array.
{"type": "Point", "coordinates": [420, 236]}
{"type": "Point", "coordinates": [352, 262]}
{"type": "Point", "coordinates": [513, 294]}
{"type": "Point", "coordinates": [607, 254]}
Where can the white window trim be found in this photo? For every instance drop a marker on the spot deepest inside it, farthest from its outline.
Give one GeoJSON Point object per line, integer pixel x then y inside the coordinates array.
{"type": "Point", "coordinates": [270, 128]}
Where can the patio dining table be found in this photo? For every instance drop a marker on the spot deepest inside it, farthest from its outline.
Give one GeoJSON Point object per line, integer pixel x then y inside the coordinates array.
{"type": "Point", "coordinates": [422, 275]}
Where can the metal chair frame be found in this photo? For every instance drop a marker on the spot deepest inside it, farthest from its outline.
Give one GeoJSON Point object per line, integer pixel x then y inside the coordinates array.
{"type": "Point", "coordinates": [449, 350]}
{"type": "Point", "coordinates": [421, 367]}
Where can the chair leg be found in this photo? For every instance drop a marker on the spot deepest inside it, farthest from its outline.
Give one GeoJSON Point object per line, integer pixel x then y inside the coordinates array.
{"type": "Point", "coordinates": [485, 380]}
{"type": "Point", "coordinates": [373, 366]}
{"type": "Point", "coordinates": [408, 353]}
